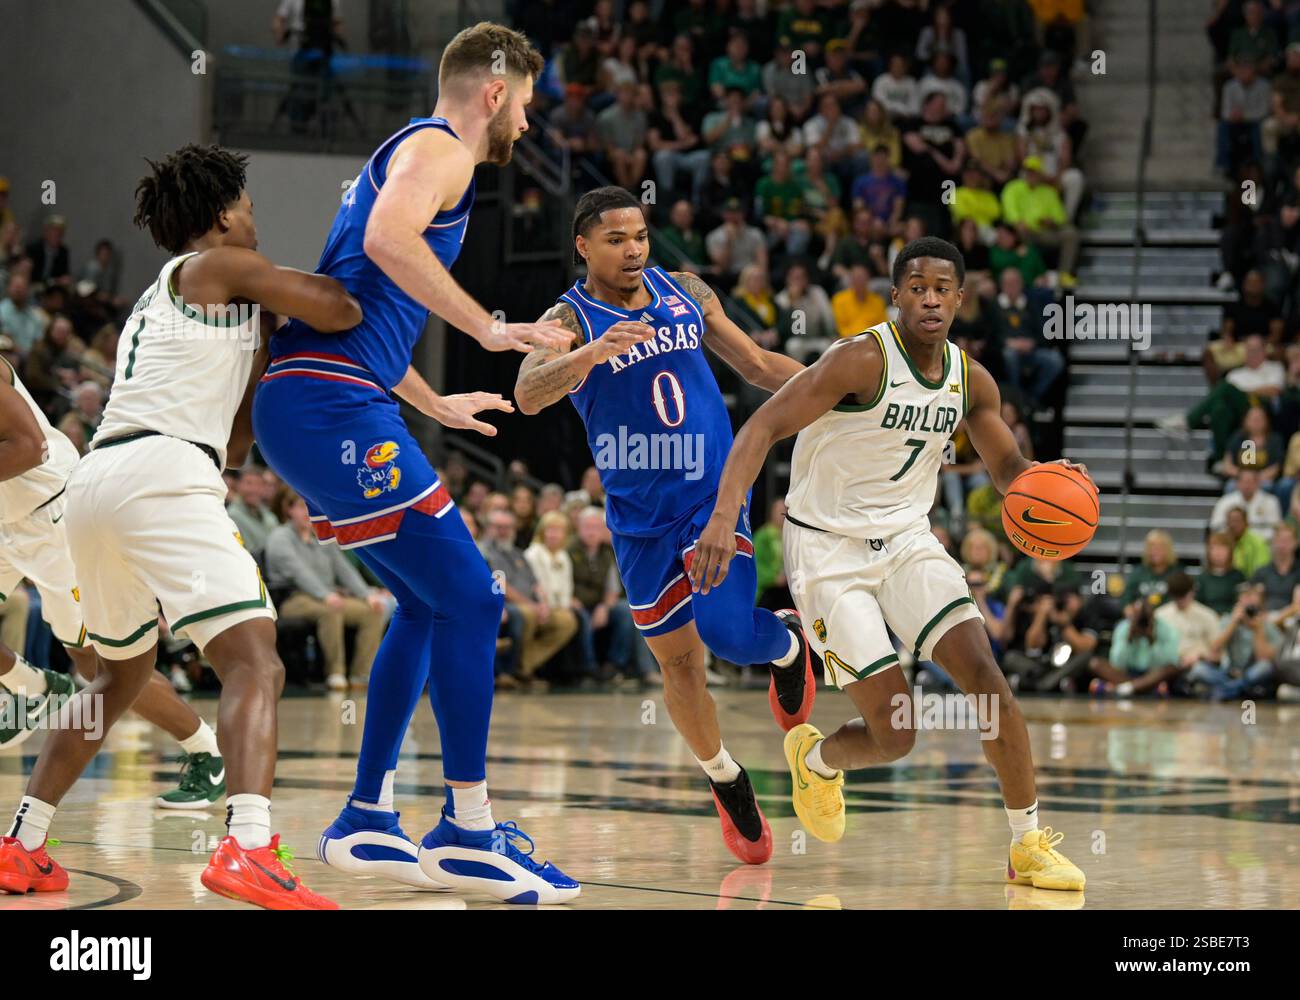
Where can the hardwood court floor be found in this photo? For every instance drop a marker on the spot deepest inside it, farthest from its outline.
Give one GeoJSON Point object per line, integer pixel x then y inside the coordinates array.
{"type": "Point", "coordinates": [1164, 804]}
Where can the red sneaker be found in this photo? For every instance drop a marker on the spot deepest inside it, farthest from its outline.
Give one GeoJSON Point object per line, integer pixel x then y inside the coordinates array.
{"type": "Point", "coordinates": [792, 690]}
{"type": "Point", "coordinates": [744, 827]}
{"type": "Point", "coordinates": [260, 877]}
{"type": "Point", "coordinates": [22, 870]}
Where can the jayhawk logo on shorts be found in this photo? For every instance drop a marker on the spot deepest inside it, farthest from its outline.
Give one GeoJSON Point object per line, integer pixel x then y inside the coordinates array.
{"type": "Point", "coordinates": [380, 473]}
{"type": "Point", "coordinates": [819, 627]}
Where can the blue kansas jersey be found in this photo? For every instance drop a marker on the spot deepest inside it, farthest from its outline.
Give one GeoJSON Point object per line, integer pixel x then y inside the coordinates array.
{"type": "Point", "coordinates": [383, 342]}
{"type": "Point", "coordinates": [655, 419]}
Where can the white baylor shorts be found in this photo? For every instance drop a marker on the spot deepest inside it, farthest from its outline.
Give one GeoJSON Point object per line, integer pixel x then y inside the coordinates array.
{"type": "Point", "coordinates": [849, 591]}
{"type": "Point", "coordinates": [36, 548]}
{"type": "Point", "coordinates": [147, 527]}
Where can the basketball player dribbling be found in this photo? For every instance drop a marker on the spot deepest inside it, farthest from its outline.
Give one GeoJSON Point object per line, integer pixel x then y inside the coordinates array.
{"type": "Point", "coordinates": [635, 370]}
{"type": "Point", "coordinates": [147, 525]}
{"type": "Point", "coordinates": [872, 416]}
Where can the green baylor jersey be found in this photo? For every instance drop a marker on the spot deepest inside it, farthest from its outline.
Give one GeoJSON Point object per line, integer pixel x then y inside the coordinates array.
{"type": "Point", "coordinates": [870, 470]}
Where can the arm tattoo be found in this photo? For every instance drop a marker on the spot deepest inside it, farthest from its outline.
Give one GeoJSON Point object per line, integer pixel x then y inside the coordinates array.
{"type": "Point", "coordinates": [696, 287]}
{"type": "Point", "coordinates": [546, 373]}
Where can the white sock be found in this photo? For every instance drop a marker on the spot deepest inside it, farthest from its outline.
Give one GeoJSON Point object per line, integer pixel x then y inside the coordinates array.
{"type": "Point", "coordinates": [385, 803]}
{"type": "Point", "coordinates": [248, 820]}
{"type": "Point", "coordinates": [1022, 821]}
{"type": "Point", "coordinates": [813, 758]}
{"type": "Point", "coordinates": [1124, 689]}
{"type": "Point", "coordinates": [789, 657]}
{"type": "Point", "coordinates": [471, 807]}
{"type": "Point", "coordinates": [23, 678]}
{"type": "Point", "coordinates": [204, 740]}
{"type": "Point", "coordinates": [722, 770]}
{"type": "Point", "coordinates": [32, 822]}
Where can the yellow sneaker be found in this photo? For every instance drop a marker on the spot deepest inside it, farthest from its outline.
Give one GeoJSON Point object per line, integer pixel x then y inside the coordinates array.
{"type": "Point", "coordinates": [1035, 861]}
{"type": "Point", "coordinates": [818, 801]}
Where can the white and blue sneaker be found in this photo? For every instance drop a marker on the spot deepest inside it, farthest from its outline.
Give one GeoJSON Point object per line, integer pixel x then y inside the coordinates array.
{"type": "Point", "coordinates": [488, 861]}
{"type": "Point", "coordinates": [369, 842]}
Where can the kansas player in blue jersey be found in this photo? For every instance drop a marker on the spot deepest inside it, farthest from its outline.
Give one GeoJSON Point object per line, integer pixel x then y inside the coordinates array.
{"type": "Point", "coordinates": [636, 371]}
{"type": "Point", "coordinates": [327, 424]}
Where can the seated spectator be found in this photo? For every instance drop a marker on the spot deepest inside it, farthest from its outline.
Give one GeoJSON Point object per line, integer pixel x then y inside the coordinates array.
{"type": "Point", "coordinates": [1034, 207]}
{"type": "Point", "coordinates": [621, 129]}
{"type": "Point", "coordinates": [976, 254]}
{"type": "Point", "coordinates": [942, 79]}
{"type": "Point", "coordinates": [1043, 137]}
{"type": "Point", "coordinates": [1052, 76]}
{"type": "Point", "coordinates": [1060, 636]}
{"type": "Point", "coordinates": [251, 510]}
{"type": "Point", "coordinates": [581, 60]}
{"type": "Point", "coordinates": [1148, 582]}
{"type": "Point", "coordinates": [758, 311]}
{"type": "Point", "coordinates": [19, 316]}
{"type": "Point", "coordinates": [99, 362]}
{"type": "Point", "coordinates": [806, 26]}
{"type": "Point", "coordinates": [1262, 509]}
{"type": "Point", "coordinates": [735, 244]}
{"type": "Point", "coordinates": [1009, 250]}
{"type": "Point", "coordinates": [1249, 551]}
{"type": "Point", "coordinates": [897, 90]}
{"type": "Point", "coordinates": [550, 498]}
{"type": "Point", "coordinates": [1143, 655]}
{"type": "Point", "coordinates": [523, 502]}
{"type": "Point", "coordinates": [548, 557]}
{"type": "Point", "coordinates": [821, 199]}
{"type": "Point", "coordinates": [974, 329]}
{"type": "Point", "coordinates": [933, 154]}
{"type": "Point", "coordinates": [973, 200]}
{"type": "Point", "coordinates": [1253, 314]}
{"type": "Point", "coordinates": [778, 130]}
{"type": "Point", "coordinates": [323, 587]}
{"type": "Point", "coordinates": [1223, 409]}
{"type": "Point", "coordinates": [675, 144]}
{"type": "Point", "coordinates": [958, 479]}
{"type": "Point", "coordinates": [1254, 41]}
{"type": "Point", "coordinates": [806, 321]}
{"type": "Point", "coordinates": [725, 183]}
{"type": "Point", "coordinates": [53, 363]}
{"type": "Point", "coordinates": [731, 131]}
{"type": "Point", "coordinates": [598, 590]}
{"type": "Point", "coordinates": [857, 307]}
{"type": "Point", "coordinates": [49, 254]}
{"type": "Point", "coordinates": [836, 134]}
{"type": "Point", "coordinates": [1243, 106]}
{"type": "Point", "coordinates": [1277, 582]}
{"type": "Point", "coordinates": [995, 90]}
{"type": "Point", "coordinates": [1196, 625]}
{"type": "Point", "coordinates": [680, 245]}
{"type": "Point", "coordinates": [101, 275]}
{"type": "Point", "coordinates": [841, 80]}
{"type": "Point", "coordinates": [780, 80]}
{"type": "Point", "coordinates": [865, 243]}
{"type": "Point", "coordinates": [1256, 447]}
{"type": "Point", "coordinates": [620, 66]}
{"type": "Point", "coordinates": [941, 35]}
{"type": "Point", "coordinates": [680, 66]}
{"type": "Point", "coordinates": [878, 130]}
{"type": "Point", "coordinates": [779, 201]}
{"type": "Point", "coordinates": [979, 552]}
{"type": "Point", "coordinates": [736, 71]}
{"type": "Point", "coordinates": [882, 191]}
{"type": "Point", "coordinates": [538, 629]}
{"type": "Point", "coordinates": [759, 27]}
{"type": "Point", "coordinates": [991, 147]}
{"type": "Point", "coordinates": [80, 422]}
{"type": "Point", "coordinates": [1032, 365]}
{"type": "Point", "coordinates": [1280, 131]}
{"type": "Point", "coordinates": [572, 125]}
{"type": "Point", "coordinates": [1242, 655]}
{"type": "Point", "coordinates": [1219, 581]}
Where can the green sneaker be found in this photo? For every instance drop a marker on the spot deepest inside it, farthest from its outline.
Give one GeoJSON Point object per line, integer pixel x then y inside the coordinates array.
{"type": "Point", "coordinates": [22, 715]}
{"type": "Point", "coordinates": [203, 782]}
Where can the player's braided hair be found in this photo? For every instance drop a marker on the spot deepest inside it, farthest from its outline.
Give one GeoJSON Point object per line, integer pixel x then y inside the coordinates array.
{"type": "Point", "coordinates": [929, 246]}
{"type": "Point", "coordinates": [595, 202]}
{"type": "Point", "coordinates": [182, 196]}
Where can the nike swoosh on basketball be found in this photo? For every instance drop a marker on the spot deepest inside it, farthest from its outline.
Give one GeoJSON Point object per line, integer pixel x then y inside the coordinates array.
{"type": "Point", "coordinates": [1028, 518]}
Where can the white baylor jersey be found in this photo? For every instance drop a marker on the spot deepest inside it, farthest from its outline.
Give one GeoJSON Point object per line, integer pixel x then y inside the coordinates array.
{"type": "Point", "coordinates": [22, 494]}
{"type": "Point", "coordinates": [180, 372]}
{"type": "Point", "coordinates": [871, 470]}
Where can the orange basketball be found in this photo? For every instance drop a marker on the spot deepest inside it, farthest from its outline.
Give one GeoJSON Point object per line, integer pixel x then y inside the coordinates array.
{"type": "Point", "coordinates": [1051, 512]}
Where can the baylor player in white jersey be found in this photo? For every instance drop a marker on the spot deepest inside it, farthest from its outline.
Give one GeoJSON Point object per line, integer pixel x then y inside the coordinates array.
{"type": "Point", "coordinates": [146, 520]}
{"type": "Point", "coordinates": [873, 415]}
{"type": "Point", "coordinates": [35, 463]}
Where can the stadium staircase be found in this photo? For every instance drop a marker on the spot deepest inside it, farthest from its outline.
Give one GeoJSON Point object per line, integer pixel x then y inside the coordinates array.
{"type": "Point", "coordinates": [1168, 485]}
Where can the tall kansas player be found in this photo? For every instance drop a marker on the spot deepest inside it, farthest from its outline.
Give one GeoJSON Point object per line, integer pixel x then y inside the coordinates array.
{"type": "Point", "coordinates": [636, 371]}
{"type": "Point", "coordinates": [327, 424]}
{"type": "Point", "coordinates": [873, 415]}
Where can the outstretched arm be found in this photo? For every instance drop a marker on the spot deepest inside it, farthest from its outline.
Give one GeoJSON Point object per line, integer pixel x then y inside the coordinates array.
{"type": "Point", "coordinates": [765, 369]}
{"type": "Point", "coordinates": [22, 445]}
{"type": "Point", "coordinates": [429, 171]}
{"type": "Point", "coordinates": [548, 373]}
{"type": "Point", "coordinates": [223, 274]}
{"type": "Point", "coordinates": [991, 436]}
{"type": "Point", "coordinates": [853, 369]}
